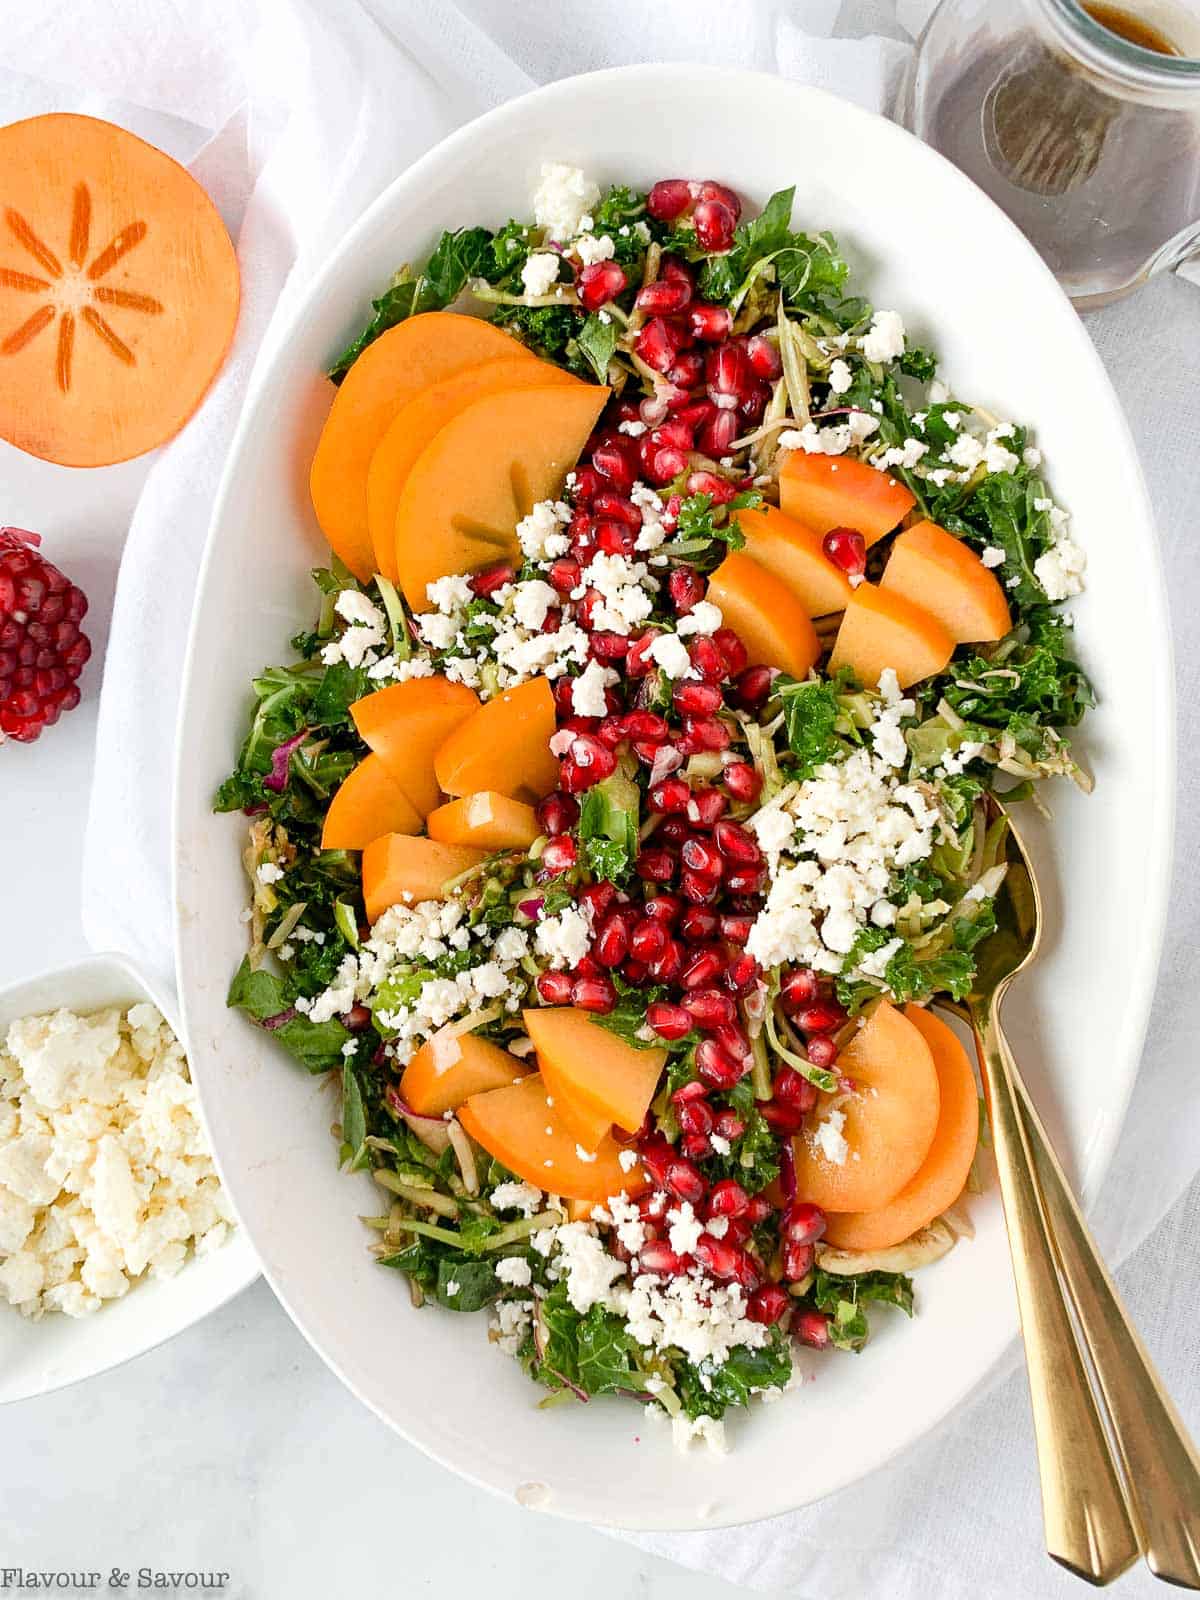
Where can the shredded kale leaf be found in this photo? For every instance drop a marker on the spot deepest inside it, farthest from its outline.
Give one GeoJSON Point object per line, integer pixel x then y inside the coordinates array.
{"type": "Point", "coordinates": [608, 828]}
{"type": "Point", "coordinates": [708, 1390]}
{"type": "Point", "coordinates": [591, 1352]}
{"type": "Point", "coordinates": [810, 712]}
{"type": "Point", "coordinates": [262, 996]}
{"type": "Point", "coordinates": [597, 340]}
{"type": "Point", "coordinates": [843, 1299]}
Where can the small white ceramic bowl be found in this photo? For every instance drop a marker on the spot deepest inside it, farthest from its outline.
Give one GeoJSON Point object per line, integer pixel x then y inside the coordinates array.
{"type": "Point", "coordinates": [36, 1357]}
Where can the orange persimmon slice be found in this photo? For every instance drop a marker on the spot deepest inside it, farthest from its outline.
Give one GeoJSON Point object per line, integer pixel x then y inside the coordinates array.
{"type": "Point", "coordinates": [368, 803]}
{"type": "Point", "coordinates": [504, 746]}
{"type": "Point", "coordinates": [118, 291]}
{"type": "Point", "coordinates": [766, 612]}
{"type": "Point", "coordinates": [488, 821]}
{"type": "Point", "coordinates": [596, 1079]}
{"type": "Point", "coordinates": [794, 553]}
{"type": "Point", "coordinates": [407, 723]}
{"type": "Point", "coordinates": [827, 492]}
{"type": "Point", "coordinates": [390, 371]}
{"type": "Point", "coordinates": [940, 1178]}
{"type": "Point", "coordinates": [890, 1115]}
{"type": "Point", "coordinates": [398, 869]}
{"type": "Point", "coordinates": [945, 577]}
{"type": "Point", "coordinates": [450, 1067]}
{"type": "Point", "coordinates": [426, 414]}
{"type": "Point", "coordinates": [883, 628]}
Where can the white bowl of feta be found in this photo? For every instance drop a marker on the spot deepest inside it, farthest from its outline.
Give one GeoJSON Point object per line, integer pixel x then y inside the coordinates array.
{"type": "Point", "coordinates": [94, 1111]}
{"type": "Point", "coordinates": [920, 238]}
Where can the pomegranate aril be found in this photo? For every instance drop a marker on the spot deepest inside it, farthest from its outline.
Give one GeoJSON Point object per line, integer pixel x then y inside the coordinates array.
{"type": "Point", "coordinates": [639, 662]}
{"type": "Point", "coordinates": [598, 899]}
{"type": "Point", "coordinates": [702, 856]}
{"type": "Point", "coordinates": [594, 759]}
{"type": "Point", "coordinates": [701, 970]}
{"type": "Point", "coordinates": [706, 659]}
{"type": "Point", "coordinates": [686, 588]}
{"type": "Point", "coordinates": [697, 699]}
{"type": "Point", "coordinates": [701, 891]}
{"type": "Point", "coordinates": [614, 539]}
{"type": "Point", "coordinates": [611, 944]}
{"type": "Point", "coordinates": [692, 1090]}
{"type": "Point", "coordinates": [710, 1007]}
{"type": "Point", "coordinates": [669, 796]}
{"type": "Point", "coordinates": [656, 865]}
{"type": "Point", "coordinates": [487, 582]}
{"type": "Point", "coordinates": [599, 283]}
{"type": "Point", "coordinates": [799, 987]}
{"type": "Point", "coordinates": [593, 994]}
{"type": "Point", "coordinates": [729, 1125]}
{"type": "Point", "coordinates": [731, 1039]}
{"type": "Point", "coordinates": [764, 358]}
{"type": "Point", "coordinates": [717, 1256]}
{"type": "Point", "coordinates": [606, 646]}
{"type": "Point", "coordinates": [742, 781]}
{"type": "Point", "coordinates": [797, 1261]}
{"type": "Point", "coordinates": [727, 1199]}
{"type": "Point", "coordinates": [753, 688]}
{"type": "Point", "coordinates": [668, 1021]}
{"type": "Point", "coordinates": [669, 198]}
{"type": "Point", "coordinates": [747, 1271]}
{"type": "Point", "coordinates": [698, 924]}
{"type": "Point", "coordinates": [615, 465]}
{"type": "Point", "coordinates": [706, 807]}
{"type": "Point", "coordinates": [657, 344]}
{"type": "Point", "coordinates": [768, 1304]}
{"type": "Point", "coordinates": [687, 372]}
{"type": "Point", "coordinates": [664, 908]}
{"type": "Point", "coordinates": [802, 1223]}
{"type": "Point", "coordinates": [695, 1116]}
{"type": "Point", "coordinates": [587, 483]}
{"type": "Point", "coordinates": [673, 831]}
{"type": "Point", "coordinates": [557, 813]}
{"type": "Point", "coordinates": [664, 297]}
{"type": "Point", "coordinates": [657, 1256]}
{"type": "Point", "coordinates": [716, 1066]}
{"type": "Point", "coordinates": [665, 465]}
{"type": "Point", "coordinates": [560, 854]}
{"type": "Point", "coordinates": [665, 968]}
{"type": "Point", "coordinates": [824, 1016]}
{"type": "Point", "coordinates": [792, 1089]}
{"type": "Point", "coordinates": [735, 842]}
{"type": "Point", "coordinates": [711, 190]}
{"type": "Point", "coordinates": [710, 324]}
{"type": "Point", "coordinates": [742, 974]}
{"type": "Point", "coordinates": [847, 549]}
{"type": "Point", "coordinates": [821, 1051]}
{"type": "Point", "coordinates": [733, 652]}
{"type": "Point", "coordinates": [685, 1181]}
{"type": "Point", "coordinates": [707, 733]}
{"type": "Point", "coordinates": [745, 879]}
{"type": "Point", "coordinates": [753, 402]}
{"type": "Point", "coordinates": [783, 1119]}
{"type": "Point", "coordinates": [555, 988]}
{"type": "Point", "coordinates": [715, 223]}
{"type": "Point", "coordinates": [811, 1328]}
{"type": "Point", "coordinates": [695, 1146]}
{"type": "Point", "coordinates": [715, 436]}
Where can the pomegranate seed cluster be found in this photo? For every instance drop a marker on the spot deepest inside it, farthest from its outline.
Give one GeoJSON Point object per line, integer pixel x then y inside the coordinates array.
{"type": "Point", "coordinates": [42, 648]}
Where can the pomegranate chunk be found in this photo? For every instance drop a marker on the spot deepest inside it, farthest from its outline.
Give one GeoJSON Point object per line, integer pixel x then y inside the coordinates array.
{"type": "Point", "coordinates": [669, 198]}
{"type": "Point", "coordinates": [847, 549]}
{"type": "Point", "coordinates": [599, 283]}
{"type": "Point", "coordinates": [715, 223]}
{"type": "Point", "coordinates": [668, 1021]}
{"type": "Point", "coordinates": [593, 994]}
{"type": "Point", "coordinates": [768, 1304]}
{"type": "Point", "coordinates": [811, 1328]}
{"type": "Point", "coordinates": [42, 650]}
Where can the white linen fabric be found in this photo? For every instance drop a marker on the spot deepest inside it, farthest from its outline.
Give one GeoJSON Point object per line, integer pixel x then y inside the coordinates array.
{"type": "Point", "coordinates": [295, 114]}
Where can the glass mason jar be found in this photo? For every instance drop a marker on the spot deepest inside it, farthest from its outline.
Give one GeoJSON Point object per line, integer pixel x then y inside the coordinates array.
{"type": "Point", "coordinates": [1089, 140]}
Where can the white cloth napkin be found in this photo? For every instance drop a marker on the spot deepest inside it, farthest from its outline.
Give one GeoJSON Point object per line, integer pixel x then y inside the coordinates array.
{"type": "Point", "coordinates": [295, 114]}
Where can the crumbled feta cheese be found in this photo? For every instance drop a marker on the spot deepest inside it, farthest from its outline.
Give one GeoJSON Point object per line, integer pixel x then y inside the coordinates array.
{"type": "Point", "coordinates": [627, 1159]}
{"type": "Point", "coordinates": [1060, 571]}
{"type": "Point", "coordinates": [541, 533]}
{"type": "Point", "coordinates": [901, 455]}
{"type": "Point", "coordinates": [685, 1228]}
{"type": "Point", "coordinates": [992, 556]}
{"type": "Point", "coordinates": [540, 272]}
{"type": "Point", "coordinates": [510, 1324]}
{"type": "Point", "coordinates": [626, 592]}
{"type": "Point", "coordinates": [531, 601]}
{"type": "Point", "coordinates": [591, 248]}
{"type": "Point", "coordinates": [710, 1431]}
{"type": "Point", "coordinates": [669, 652]}
{"type": "Point", "coordinates": [704, 617]}
{"type": "Point", "coordinates": [562, 199]}
{"type": "Point", "coordinates": [885, 339]}
{"type": "Point", "coordinates": [840, 376]}
{"type": "Point", "coordinates": [515, 1271]}
{"type": "Point", "coordinates": [587, 691]}
{"type": "Point", "coordinates": [517, 1196]}
{"type": "Point", "coordinates": [586, 1156]}
{"type": "Point", "coordinates": [828, 1137]}
{"type": "Point", "coordinates": [268, 872]}
{"type": "Point", "coordinates": [563, 940]}
{"type": "Point", "coordinates": [104, 1170]}
{"type": "Point", "coordinates": [367, 630]}
{"type": "Point", "coordinates": [633, 427]}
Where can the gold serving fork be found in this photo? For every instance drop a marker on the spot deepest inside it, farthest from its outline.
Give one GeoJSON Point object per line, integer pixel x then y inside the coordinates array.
{"type": "Point", "coordinates": [1105, 1500]}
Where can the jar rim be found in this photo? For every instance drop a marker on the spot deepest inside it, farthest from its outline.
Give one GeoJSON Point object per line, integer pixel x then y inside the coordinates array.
{"type": "Point", "coordinates": [1109, 51]}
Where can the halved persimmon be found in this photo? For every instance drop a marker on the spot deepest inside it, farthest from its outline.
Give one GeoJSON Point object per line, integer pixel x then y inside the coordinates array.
{"type": "Point", "coordinates": [596, 1077]}
{"type": "Point", "coordinates": [827, 492]}
{"type": "Point", "coordinates": [939, 1180]}
{"type": "Point", "coordinates": [520, 1127]}
{"type": "Point", "coordinates": [945, 577]}
{"type": "Point", "coordinates": [390, 371]}
{"type": "Point", "coordinates": [481, 474]}
{"type": "Point", "coordinates": [890, 1115]}
{"type": "Point", "coordinates": [488, 820]}
{"type": "Point", "coordinates": [368, 803]}
{"type": "Point", "coordinates": [504, 746]}
{"type": "Point", "coordinates": [407, 723]}
{"type": "Point", "coordinates": [119, 291]}
{"type": "Point", "coordinates": [794, 553]}
{"type": "Point", "coordinates": [421, 418]}
{"type": "Point", "coordinates": [450, 1067]}
{"type": "Point", "coordinates": [398, 869]}
{"type": "Point", "coordinates": [766, 612]}
{"type": "Point", "coordinates": [882, 628]}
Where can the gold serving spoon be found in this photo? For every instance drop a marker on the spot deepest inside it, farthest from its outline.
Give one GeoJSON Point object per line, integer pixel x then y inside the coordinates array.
{"type": "Point", "coordinates": [1101, 1507]}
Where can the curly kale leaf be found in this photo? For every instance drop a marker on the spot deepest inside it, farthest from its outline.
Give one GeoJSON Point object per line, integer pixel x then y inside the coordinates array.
{"type": "Point", "coordinates": [843, 1299]}
{"type": "Point", "coordinates": [266, 998]}
{"type": "Point", "coordinates": [708, 1390]}
{"type": "Point", "coordinates": [1030, 682]}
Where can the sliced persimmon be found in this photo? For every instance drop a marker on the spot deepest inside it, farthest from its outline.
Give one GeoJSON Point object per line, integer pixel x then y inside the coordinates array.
{"type": "Point", "coordinates": [883, 628]}
{"type": "Point", "coordinates": [488, 820]}
{"type": "Point", "coordinates": [586, 1066]}
{"type": "Point", "coordinates": [766, 612]}
{"type": "Point", "coordinates": [406, 723]}
{"type": "Point", "coordinates": [794, 553]}
{"type": "Point", "coordinates": [484, 471]}
{"type": "Point", "coordinates": [400, 870]}
{"type": "Point", "coordinates": [890, 1111]}
{"type": "Point", "coordinates": [420, 419]}
{"type": "Point", "coordinates": [504, 746]}
{"type": "Point", "coordinates": [828, 492]}
{"type": "Point", "coordinates": [520, 1127]}
{"type": "Point", "coordinates": [390, 371]}
{"type": "Point", "coordinates": [119, 291]}
{"type": "Point", "coordinates": [939, 1180]}
{"type": "Point", "coordinates": [367, 804]}
{"type": "Point", "coordinates": [450, 1067]}
{"type": "Point", "coordinates": [945, 577]}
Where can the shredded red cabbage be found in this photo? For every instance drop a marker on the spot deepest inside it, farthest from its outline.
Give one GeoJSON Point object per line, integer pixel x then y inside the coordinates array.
{"type": "Point", "coordinates": [281, 758]}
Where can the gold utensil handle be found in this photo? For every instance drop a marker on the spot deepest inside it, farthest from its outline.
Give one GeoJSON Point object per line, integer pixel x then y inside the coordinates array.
{"type": "Point", "coordinates": [1162, 1468]}
{"type": "Point", "coordinates": [1088, 1524]}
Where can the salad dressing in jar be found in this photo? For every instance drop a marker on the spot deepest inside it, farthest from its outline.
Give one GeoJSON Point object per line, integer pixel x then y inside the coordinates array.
{"type": "Point", "coordinates": [1081, 121]}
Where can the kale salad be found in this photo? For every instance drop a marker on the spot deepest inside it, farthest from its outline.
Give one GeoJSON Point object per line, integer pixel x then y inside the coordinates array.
{"type": "Point", "coordinates": [617, 825]}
